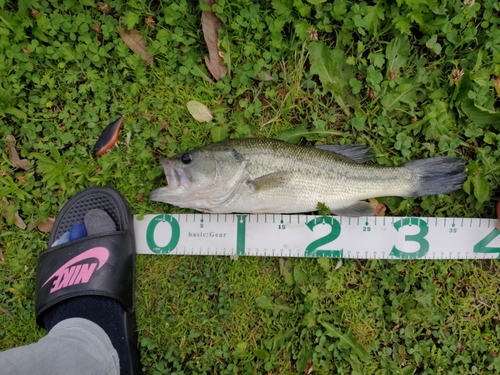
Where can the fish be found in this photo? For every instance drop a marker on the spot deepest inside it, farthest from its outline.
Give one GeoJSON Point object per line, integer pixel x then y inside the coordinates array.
{"type": "Point", "coordinates": [265, 175]}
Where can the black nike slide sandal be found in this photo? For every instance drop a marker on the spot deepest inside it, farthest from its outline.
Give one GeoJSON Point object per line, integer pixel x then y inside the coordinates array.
{"type": "Point", "coordinates": [102, 264]}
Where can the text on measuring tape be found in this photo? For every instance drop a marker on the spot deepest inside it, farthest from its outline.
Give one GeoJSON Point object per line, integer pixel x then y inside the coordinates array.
{"type": "Point", "coordinates": [324, 245]}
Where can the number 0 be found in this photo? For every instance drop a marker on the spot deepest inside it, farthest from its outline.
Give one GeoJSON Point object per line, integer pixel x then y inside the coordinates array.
{"type": "Point", "coordinates": [174, 239]}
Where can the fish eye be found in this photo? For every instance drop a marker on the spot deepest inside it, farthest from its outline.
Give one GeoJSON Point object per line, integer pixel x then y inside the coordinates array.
{"type": "Point", "coordinates": [187, 158]}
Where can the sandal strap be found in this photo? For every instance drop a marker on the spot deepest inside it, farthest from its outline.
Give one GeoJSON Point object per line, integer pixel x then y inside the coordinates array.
{"type": "Point", "coordinates": [102, 264]}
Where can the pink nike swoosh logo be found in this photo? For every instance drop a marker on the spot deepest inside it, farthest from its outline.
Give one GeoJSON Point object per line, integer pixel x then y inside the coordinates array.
{"type": "Point", "coordinates": [99, 253]}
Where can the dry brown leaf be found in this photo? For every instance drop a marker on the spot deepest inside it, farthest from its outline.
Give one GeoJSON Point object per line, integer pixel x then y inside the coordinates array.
{"type": "Point", "coordinates": [379, 207]}
{"type": "Point", "coordinates": [264, 76]}
{"type": "Point", "coordinates": [210, 25]}
{"type": "Point", "coordinates": [7, 313]}
{"type": "Point", "coordinates": [18, 221]}
{"type": "Point", "coordinates": [8, 213]}
{"type": "Point", "coordinates": [133, 39]}
{"type": "Point", "coordinates": [282, 92]}
{"type": "Point", "coordinates": [13, 156]}
{"type": "Point", "coordinates": [309, 367]}
{"type": "Point", "coordinates": [46, 226]}
{"type": "Point", "coordinates": [199, 111]}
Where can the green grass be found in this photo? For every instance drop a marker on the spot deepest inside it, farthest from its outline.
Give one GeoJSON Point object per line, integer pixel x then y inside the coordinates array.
{"type": "Point", "coordinates": [410, 79]}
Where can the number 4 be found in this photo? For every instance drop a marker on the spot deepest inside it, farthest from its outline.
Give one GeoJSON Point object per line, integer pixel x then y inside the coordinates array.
{"type": "Point", "coordinates": [481, 246]}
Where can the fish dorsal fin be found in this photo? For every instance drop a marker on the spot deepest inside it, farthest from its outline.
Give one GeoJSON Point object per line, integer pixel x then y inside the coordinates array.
{"type": "Point", "coordinates": [270, 181]}
{"type": "Point", "coordinates": [356, 153]}
{"type": "Point", "coordinates": [356, 209]}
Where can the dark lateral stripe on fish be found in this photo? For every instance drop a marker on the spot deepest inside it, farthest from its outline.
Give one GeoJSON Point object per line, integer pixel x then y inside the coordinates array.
{"type": "Point", "coordinates": [108, 137]}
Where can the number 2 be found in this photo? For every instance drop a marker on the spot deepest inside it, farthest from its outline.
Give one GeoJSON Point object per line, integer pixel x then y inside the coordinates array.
{"type": "Point", "coordinates": [312, 248]}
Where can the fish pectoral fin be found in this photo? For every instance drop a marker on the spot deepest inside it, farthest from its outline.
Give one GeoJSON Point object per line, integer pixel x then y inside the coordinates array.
{"type": "Point", "coordinates": [270, 181]}
{"type": "Point", "coordinates": [356, 209]}
{"type": "Point", "coordinates": [355, 153]}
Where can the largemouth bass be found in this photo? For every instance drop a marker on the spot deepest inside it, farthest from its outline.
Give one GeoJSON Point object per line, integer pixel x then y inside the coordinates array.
{"type": "Point", "coordinates": [260, 175]}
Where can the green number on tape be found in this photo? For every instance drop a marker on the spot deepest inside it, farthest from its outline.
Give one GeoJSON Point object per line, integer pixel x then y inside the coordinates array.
{"type": "Point", "coordinates": [481, 247]}
{"type": "Point", "coordinates": [419, 238]}
{"type": "Point", "coordinates": [311, 249]}
{"type": "Point", "coordinates": [150, 234]}
{"type": "Point", "coordinates": [240, 234]}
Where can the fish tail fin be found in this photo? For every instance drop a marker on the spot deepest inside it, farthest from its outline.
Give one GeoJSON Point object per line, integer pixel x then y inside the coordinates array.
{"type": "Point", "coordinates": [437, 175]}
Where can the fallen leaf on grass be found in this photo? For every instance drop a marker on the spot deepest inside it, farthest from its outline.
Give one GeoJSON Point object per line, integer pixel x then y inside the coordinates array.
{"type": "Point", "coordinates": [45, 226]}
{"type": "Point", "coordinates": [133, 39]}
{"type": "Point", "coordinates": [379, 207]}
{"type": "Point", "coordinates": [8, 213]}
{"type": "Point", "coordinates": [199, 111]}
{"type": "Point", "coordinates": [18, 221]}
{"type": "Point", "coordinates": [309, 367]}
{"type": "Point", "coordinates": [13, 156]}
{"type": "Point", "coordinates": [210, 25]}
{"type": "Point", "coordinates": [264, 76]}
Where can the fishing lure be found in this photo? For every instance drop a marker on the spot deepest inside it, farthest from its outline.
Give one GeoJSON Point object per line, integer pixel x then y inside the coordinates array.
{"type": "Point", "coordinates": [108, 137]}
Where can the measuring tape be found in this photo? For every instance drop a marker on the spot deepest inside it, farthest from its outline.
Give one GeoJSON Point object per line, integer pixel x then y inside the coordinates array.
{"type": "Point", "coordinates": [317, 236]}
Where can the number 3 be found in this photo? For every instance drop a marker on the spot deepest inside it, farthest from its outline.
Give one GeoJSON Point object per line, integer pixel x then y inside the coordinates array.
{"type": "Point", "coordinates": [418, 237]}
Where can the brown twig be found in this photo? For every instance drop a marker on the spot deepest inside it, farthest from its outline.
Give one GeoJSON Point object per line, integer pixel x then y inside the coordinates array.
{"type": "Point", "coordinates": [7, 313]}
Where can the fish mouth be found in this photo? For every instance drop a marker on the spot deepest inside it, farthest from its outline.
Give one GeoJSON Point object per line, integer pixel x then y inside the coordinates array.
{"type": "Point", "coordinates": [206, 196]}
{"type": "Point", "coordinates": [178, 183]}
{"type": "Point", "coordinates": [176, 177]}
